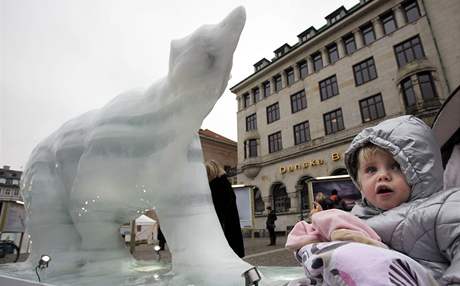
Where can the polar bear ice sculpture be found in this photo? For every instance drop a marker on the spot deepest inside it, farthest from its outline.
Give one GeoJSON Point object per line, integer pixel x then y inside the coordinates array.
{"type": "Point", "coordinates": [138, 151]}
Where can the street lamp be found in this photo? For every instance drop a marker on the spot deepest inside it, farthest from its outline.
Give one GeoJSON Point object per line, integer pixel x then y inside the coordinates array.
{"type": "Point", "coordinates": [157, 249]}
{"type": "Point", "coordinates": [42, 264]}
{"type": "Point", "coordinates": [251, 277]}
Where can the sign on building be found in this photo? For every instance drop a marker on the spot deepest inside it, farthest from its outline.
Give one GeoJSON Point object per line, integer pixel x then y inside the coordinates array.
{"type": "Point", "coordinates": [245, 205]}
{"type": "Point", "coordinates": [12, 217]}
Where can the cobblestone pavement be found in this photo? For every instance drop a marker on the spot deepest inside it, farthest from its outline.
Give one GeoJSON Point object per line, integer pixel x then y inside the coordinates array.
{"type": "Point", "coordinates": [257, 253]}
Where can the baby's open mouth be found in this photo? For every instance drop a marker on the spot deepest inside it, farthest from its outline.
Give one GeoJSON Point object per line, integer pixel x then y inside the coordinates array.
{"type": "Point", "coordinates": [383, 190]}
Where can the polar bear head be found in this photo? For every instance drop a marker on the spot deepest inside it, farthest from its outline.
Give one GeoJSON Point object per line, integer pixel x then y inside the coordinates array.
{"type": "Point", "coordinates": [200, 64]}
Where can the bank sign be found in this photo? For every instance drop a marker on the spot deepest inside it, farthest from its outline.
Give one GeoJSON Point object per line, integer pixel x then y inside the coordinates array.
{"type": "Point", "coordinates": [308, 164]}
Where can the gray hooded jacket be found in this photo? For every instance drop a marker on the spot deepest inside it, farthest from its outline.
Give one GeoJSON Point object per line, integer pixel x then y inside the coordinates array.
{"type": "Point", "coordinates": [427, 226]}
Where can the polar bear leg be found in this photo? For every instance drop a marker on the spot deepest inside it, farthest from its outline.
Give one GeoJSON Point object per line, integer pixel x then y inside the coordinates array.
{"type": "Point", "coordinates": [51, 227]}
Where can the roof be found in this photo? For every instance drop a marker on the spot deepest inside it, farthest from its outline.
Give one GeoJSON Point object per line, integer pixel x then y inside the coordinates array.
{"type": "Point", "coordinates": [8, 173]}
{"type": "Point", "coordinates": [143, 219]}
{"type": "Point", "coordinates": [208, 134]}
{"type": "Point", "coordinates": [327, 26]}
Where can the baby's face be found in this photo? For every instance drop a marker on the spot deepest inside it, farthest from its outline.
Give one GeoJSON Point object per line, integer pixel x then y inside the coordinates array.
{"type": "Point", "coordinates": [382, 182]}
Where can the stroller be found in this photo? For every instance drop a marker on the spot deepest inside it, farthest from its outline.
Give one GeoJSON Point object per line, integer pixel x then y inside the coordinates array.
{"type": "Point", "coordinates": [446, 128]}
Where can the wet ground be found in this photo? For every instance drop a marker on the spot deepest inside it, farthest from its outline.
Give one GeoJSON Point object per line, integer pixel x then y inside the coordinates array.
{"type": "Point", "coordinates": [256, 249]}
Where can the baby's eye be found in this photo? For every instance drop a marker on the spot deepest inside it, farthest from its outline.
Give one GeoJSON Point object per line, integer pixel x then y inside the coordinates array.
{"type": "Point", "coordinates": [371, 169]}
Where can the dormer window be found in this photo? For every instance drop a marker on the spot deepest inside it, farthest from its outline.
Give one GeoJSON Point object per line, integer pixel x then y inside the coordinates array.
{"type": "Point", "coordinates": [261, 64]}
{"type": "Point", "coordinates": [336, 15]}
{"type": "Point", "coordinates": [307, 34]}
{"type": "Point", "coordinates": [281, 51]}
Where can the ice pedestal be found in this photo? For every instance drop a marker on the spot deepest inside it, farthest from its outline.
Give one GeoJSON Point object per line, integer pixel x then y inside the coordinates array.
{"type": "Point", "coordinates": [156, 275]}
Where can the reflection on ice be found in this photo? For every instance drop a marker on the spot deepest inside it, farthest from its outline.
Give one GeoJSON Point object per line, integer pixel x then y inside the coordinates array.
{"type": "Point", "coordinates": [139, 151]}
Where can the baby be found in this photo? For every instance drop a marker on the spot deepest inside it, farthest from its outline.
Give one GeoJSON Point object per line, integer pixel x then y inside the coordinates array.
{"type": "Point", "coordinates": [398, 169]}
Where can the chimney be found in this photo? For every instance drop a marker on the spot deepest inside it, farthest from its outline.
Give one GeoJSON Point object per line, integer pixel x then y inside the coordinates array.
{"type": "Point", "coordinates": [6, 167]}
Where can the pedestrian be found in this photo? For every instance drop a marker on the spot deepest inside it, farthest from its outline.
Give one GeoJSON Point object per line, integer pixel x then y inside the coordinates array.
{"type": "Point", "coordinates": [337, 202]}
{"type": "Point", "coordinates": [224, 200]}
{"type": "Point", "coordinates": [161, 238]}
{"type": "Point", "coordinates": [271, 217]}
{"type": "Point", "coordinates": [321, 203]}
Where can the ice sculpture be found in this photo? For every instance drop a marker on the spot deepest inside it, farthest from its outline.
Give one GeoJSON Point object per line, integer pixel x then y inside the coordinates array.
{"type": "Point", "coordinates": [138, 151]}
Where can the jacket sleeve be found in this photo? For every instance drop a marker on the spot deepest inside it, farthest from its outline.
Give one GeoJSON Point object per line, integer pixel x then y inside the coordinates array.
{"type": "Point", "coordinates": [448, 237]}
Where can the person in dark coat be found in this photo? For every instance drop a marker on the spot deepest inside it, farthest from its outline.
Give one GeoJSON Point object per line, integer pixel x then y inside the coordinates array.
{"type": "Point", "coordinates": [338, 202]}
{"type": "Point", "coordinates": [224, 200]}
{"type": "Point", "coordinates": [161, 239]}
{"type": "Point", "coordinates": [271, 217]}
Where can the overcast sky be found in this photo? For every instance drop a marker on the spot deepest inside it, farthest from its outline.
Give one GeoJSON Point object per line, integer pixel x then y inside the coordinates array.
{"type": "Point", "coordinates": [60, 58]}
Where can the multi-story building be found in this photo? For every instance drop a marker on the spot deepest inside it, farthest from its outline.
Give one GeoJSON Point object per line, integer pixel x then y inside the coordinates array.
{"type": "Point", "coordinates": [9, 184]}
{"type": "Point", "coordinates": [298, 112]}
{"type": "Point", "coordinates": [12, 215]}
{"type": "Point", "coordinates": [221, 149]}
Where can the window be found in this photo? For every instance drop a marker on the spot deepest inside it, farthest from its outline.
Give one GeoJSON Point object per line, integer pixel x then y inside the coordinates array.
{"type": "Point", "coordinates": [301, 133]}
{"type": "Point", "coordinates": [350, 44]}
{"type": "Point", "coordinates": [281, 201]}
{"type": "Point", "coordinates": [274, 142]}
{"type": "Point", "coordinates": [250, 148]}
{"type": "Point", "coordinates": [372, 108]}
{"type": "Point", "coordinates": [304, 198]}
{"type": "Point", "coordinates": [364, 71]}
{"type": "Point", "coordinates": [317, 61]}
{"type": "Point", "coordinates": [259, 205]}
{"type": "Point", "coordinates": [273, 113]}
{"type": "Point", "coordinates": [246, 100]}
{"type": "Point", "coordinates": [333, 53]}
{"type": "Point", "coordinates": [266, 87]}
{"type": "Point", "coordinates": [2, 181]}
{"type": "Point", "coordinates": [328, 88]}
{"type": "Point", "coordinates": [251, 122]}
{"type": "Point", "coordinates": [411, 10]}
{"type": "Point", "coordinates": [303, 69]}
{"type": "Point", "coordinates": [289, 76]}
{"type": "Point", "coordinates": [427, 87]}
{"type": "Point", "coordinates": [256, 94]}
{"type": "Point", "coordinates": [388, 22]}
{"type": "Point", "coordinates": [408, 92]}
{"type": "Point", "coordinates": [368, 33]}
{"type": "Point", "coordinates": [278, 82]}
{"type": "Point", "coordinates": [409, 51]}
{"type": "Point", "coordinates": [16, 182]}
{"type": "Point", "coordinates": [333, 121]}
{"type": "Point", "coordinates": [298, 101]}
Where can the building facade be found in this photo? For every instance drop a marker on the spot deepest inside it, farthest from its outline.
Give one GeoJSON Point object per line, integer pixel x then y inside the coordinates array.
{"type": "Point", "coordinates": [221, 149]}
{"type": "Point", "coordinates": [9, 185]}
{"type": "Point", "coordinates": [298, 112]}
{"type": "Point", "coordinates": [12, 214]}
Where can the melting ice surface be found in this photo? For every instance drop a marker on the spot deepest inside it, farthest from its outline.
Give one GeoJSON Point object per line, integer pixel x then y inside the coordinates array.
{"type": "Point", "coordinates": [139, 151]}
